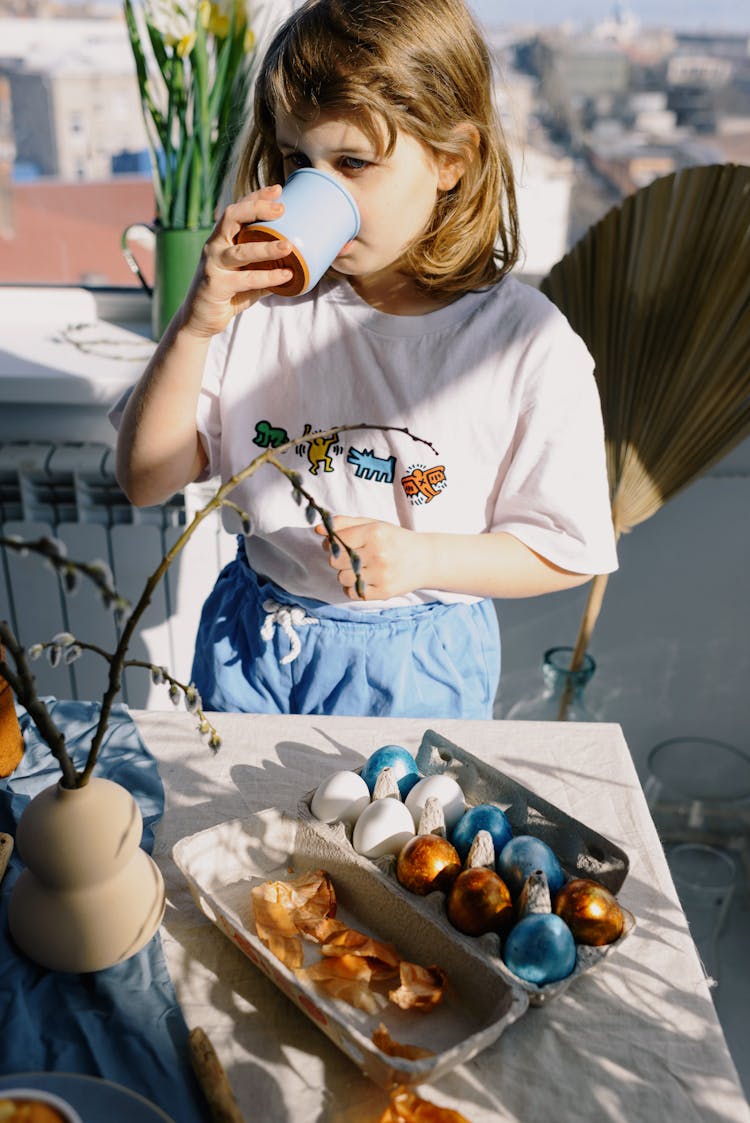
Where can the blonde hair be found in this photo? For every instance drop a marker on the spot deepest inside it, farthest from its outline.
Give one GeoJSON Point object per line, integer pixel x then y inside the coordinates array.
{"type": "Point", "coordinates": [414, 66]}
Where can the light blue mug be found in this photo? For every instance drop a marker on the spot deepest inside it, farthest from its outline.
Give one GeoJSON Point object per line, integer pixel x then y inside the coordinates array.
{"type": "Point", "coordinates": [320, 217]}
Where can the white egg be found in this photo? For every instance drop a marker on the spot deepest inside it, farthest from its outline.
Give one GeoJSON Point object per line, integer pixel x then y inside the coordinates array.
{"type": "Point", "coordinates": [341, 797]}
{"type": "Point", "coordinates": [448, 794]}
{"type": "Point", "coordinates": [384, 827]}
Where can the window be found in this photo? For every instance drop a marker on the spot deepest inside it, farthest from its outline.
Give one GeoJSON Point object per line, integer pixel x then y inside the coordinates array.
{"type": "Point", "coordinates": [76, 170]}
{"type": "Point", "coordinates": [593, 110]}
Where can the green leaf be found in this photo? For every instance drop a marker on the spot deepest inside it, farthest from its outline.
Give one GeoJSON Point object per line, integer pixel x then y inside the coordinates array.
{"type": "Point", "coordinates": [231, 123]}
{"type": "Point", "coordinates": [194, 193]}
{"type": "Point", "coordinates": [153, 119]}
{"type": "Point", "coordinates": [158, 47]}
{"type": "Point", "coordinates": [225, 66]}
{"type": "Point", "coordinates": [180, 203]}
{"type": "Point", "coordinates": [201, 204]}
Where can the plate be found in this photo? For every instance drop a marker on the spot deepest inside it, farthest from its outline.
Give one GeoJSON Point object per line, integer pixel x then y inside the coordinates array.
{"type": "Point", "coordinates": [93, 1098]}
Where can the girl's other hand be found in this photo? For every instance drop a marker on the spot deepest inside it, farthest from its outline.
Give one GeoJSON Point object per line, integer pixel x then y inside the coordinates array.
{"type": "Point", "coordinates": [390, 557]}
{"type": "Point", "coordinates": [223, 284]}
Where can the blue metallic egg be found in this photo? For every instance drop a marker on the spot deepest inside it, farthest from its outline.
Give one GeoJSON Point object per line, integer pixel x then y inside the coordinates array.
{"type": "Point", "coordinates": [540, 949]}
{"type": "Point", "coordinates": [401, 762]}
{"type": "Point", "coordinates": [481, 817]}
{"type": "Point", "coordinates": [523, 855]}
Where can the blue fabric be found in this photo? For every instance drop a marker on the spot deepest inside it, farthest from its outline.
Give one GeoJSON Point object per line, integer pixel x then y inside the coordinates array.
{"type": "Point", "coordinates": [429, 661]}
{"type": "Point", "coordinates": [124, 1023]}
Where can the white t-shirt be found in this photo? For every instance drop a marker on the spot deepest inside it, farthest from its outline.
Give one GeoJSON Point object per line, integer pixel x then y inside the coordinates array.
{"type": "Point", "coordinates": [497, 383]}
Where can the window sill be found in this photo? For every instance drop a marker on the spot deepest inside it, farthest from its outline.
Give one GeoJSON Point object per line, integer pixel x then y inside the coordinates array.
{"type": "Point", "coordinates": [68, 345]}
{"type": "Point", "coordinates": [67, 354]}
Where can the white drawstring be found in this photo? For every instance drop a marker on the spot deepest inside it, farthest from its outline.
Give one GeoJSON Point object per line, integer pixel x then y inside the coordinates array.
{"type": "Point", "coordinates": [288, 617]}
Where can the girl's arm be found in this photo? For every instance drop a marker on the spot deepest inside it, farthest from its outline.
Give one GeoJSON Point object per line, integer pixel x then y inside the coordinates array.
{"type": "Point", "coordinates": [158, 447]}
{"type": "Point", "coordinates": [395, 561]}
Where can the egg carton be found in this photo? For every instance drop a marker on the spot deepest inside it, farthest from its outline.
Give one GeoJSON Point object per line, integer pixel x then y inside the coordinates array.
{"type": "Point", "coordinates": [581, 851]}
{"type": "Point", "coordinates": [223, 863]}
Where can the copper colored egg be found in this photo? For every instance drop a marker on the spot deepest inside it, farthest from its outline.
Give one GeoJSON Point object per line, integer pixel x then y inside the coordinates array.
{"type": "Point", "coordinates": [590, 911]}
{"type": "Point", "coordinates": [427, 862]}
{"type": "Point", "coordinates": [479, 902]}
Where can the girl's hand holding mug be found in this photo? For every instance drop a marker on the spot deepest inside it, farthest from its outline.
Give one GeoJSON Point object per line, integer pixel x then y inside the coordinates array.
{"type": "Point", "coordinates": [231, 276]}
{"type": "Point", "coordinates": [279, 240]}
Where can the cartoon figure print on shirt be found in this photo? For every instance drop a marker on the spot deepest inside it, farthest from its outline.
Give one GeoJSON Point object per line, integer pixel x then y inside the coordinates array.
{"type": "Point", "coordinates": [319, 450]}
{"type": "Point", "coordinates": [421, 484]}
{"type": "Point", "coordinates": [370, 467]}
{"type": "Point", "coordinates": [269, 436]}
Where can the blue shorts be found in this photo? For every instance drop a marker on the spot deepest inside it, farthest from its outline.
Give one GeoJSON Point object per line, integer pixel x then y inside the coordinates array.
{"type": "Point", "coordinates": [261, 650]}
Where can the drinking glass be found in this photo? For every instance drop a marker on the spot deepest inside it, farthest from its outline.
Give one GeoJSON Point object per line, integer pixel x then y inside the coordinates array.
{"type": "Point", "coordinates": [698, 789]}
{"type": "Point", "coordinates": [704, 877]}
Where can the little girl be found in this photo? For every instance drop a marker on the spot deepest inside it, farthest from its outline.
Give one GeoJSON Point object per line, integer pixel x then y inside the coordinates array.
{"type": "Point", "coordinates": [417, 327]}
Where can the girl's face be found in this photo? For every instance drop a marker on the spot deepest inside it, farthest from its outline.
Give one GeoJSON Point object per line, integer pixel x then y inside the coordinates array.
{"type": "Point", "coordinates": [396, 196]}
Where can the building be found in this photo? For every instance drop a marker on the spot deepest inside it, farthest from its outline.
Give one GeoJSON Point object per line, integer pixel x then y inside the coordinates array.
{"type": "Point", "coordinates": [582, 68]}
{"type": "Point", "coordinates": [74, 100]}
{"type": "Point", "coordinates": [728, 45]}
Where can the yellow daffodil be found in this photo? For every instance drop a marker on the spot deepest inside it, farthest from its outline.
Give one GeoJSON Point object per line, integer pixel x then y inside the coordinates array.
{"type": "Point", "coordinates": [219, 18]}
{"type": "Point", "coordinates": [218, 22]}
{"type": "Point", "coordinates": [186, 44]}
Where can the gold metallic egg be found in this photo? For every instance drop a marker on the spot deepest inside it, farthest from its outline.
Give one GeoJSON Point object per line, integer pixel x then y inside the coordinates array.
{"type": "Point", "coordinates": [590, 910]}
{"type": "Point", "coordinates": [479, 902]}
{"type": "Point", "coordinates": [427, 862]}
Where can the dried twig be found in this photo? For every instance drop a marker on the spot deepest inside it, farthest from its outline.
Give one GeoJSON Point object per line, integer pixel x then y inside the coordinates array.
{"type": "Point", "coordinates": [212, 1078]}
{"type": "Point", "coordinates": [23, 685]}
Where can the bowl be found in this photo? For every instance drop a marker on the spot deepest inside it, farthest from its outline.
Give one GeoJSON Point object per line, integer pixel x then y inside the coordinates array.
{"type": "Point", "coordinates": [20, 1096]}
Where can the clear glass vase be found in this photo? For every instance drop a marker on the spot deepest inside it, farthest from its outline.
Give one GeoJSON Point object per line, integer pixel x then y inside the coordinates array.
{"type": "Point", "coordinates": [562, 697]}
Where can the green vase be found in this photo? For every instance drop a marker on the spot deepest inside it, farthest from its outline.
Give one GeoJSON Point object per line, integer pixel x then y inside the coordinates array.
{"type": "Point", "coordinates": [176, 256]}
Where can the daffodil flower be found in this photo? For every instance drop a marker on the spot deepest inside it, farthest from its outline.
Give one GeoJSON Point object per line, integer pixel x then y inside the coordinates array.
{"type": "Point", "coordinates": [175, 20]}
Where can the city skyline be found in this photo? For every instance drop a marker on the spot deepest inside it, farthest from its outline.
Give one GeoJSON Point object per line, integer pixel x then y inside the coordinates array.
{"type": "Point", "coordinates": [682, 15]}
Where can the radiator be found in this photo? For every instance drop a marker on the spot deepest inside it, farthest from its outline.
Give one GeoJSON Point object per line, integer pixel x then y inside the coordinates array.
{"type": "Point", "coordinates": [69, 490]}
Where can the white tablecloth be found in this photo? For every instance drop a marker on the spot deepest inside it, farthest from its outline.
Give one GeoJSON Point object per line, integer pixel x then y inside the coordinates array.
{"type": "Point", "coordinates": [636, 1040]}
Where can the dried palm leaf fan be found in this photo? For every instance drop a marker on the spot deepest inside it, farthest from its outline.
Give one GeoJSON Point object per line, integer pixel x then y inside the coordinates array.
{"type": "Point", "coordinates": [659, 290]}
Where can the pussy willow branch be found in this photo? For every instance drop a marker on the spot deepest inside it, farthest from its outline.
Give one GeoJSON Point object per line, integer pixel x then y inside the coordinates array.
{"type": "Point", "coordinates": [49, 549]}
{"type": "Point", "coordinates": [23, 685]}
{"type": "Point", "coordinates": [117, 660]}
{"type": "Point", "coordinates": [295, 480]}
{"type": "Point", "coordinates": [215, 502]}
{"type": "Point", "coordinates": [164, 677]}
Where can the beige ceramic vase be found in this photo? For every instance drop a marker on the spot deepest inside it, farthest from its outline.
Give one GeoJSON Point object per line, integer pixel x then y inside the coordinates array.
{"type": "Point", "coordinates": [89, 896]}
